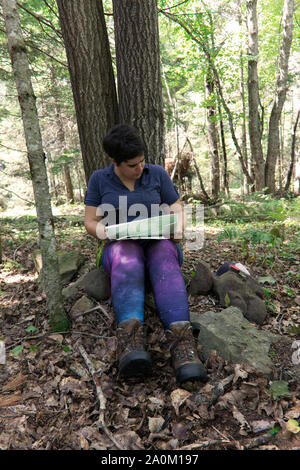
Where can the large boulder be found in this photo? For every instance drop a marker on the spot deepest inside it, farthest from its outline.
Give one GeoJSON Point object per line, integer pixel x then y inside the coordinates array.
{"type": "Point", "coordinates": [234, 338]}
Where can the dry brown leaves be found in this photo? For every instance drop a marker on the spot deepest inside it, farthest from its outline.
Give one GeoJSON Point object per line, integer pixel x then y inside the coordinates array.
{"type": "Point", "coordinates": [48, 398]}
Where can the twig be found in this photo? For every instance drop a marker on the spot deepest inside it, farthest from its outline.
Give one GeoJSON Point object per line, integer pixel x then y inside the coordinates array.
{"type": "Point", "coordinates": [102, 400]}
{"type": "Point", "coordinates": [258, 441]}
{"type": "Point", "coordinates": [98, 307]}
{"type": "Point", "coordinates": [199, 445]}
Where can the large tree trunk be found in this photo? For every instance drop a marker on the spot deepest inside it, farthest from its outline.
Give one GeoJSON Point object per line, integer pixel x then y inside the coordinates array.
{"type": "Point", "coordinates": [36, 158]}
{"type": "Point", "coordinates": [85, 36]}
{"type": "Point", "coordinates": [281, 89]}
{"type": "Point", "coordinates": [213, 138]}
{"type": "Point", "coordinates": [255, 126]}
{"type": "Point", "coordinates": [138, 70]}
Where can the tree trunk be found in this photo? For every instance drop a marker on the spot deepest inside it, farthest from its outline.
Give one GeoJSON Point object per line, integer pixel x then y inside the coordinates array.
{"type": "Point", "coordinates": [61, 137]}
{"type": "Point", "coordinates": [292, 162]}
{"type": "Point", "coordinates": [202, 187]}
{"type": "Point", "coordinates": [281, 89]}
{"type": "Point", "coordinates": [36, 158]}
{"type": "Point", "coordinates": [138, 71]}
{"type": "Point", "coordinates": [224, 152]}
{"type": "Point", "coordinates": [213, 138]}
{"type": "Point", "coordinates": [243, 101]}
{"type": "Point", "coordinates": [89, 60]}
{"type": "Point", "coordinates": [255, 127]}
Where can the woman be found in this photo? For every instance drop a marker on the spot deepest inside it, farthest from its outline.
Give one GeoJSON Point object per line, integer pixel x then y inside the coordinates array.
{"type": "Point", "coordinates": [141, 185]}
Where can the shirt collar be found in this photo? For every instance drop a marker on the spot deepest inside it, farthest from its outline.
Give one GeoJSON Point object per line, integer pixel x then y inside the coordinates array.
{"type": "Point", "coordinates": [109, 171]}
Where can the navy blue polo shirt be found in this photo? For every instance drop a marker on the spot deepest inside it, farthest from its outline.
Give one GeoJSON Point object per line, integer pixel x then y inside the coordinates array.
{"type": "Point", "coordinates": [152, 189]}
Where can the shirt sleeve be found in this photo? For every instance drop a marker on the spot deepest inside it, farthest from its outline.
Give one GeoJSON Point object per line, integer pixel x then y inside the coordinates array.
{"type": "Point", "coordinates": [168, 191]}
{"type": "Point", "coordinates": [93, 193]}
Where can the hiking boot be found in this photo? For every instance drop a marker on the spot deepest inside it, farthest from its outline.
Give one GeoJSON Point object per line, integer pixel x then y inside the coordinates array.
{"type": "Point", "coordinates": [134, 361]}
{"type": "Point", "coordinates": [185, 360]}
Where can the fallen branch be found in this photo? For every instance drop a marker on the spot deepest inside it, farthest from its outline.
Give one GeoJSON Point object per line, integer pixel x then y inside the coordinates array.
{"type": "Point", "coordinates": [101, 398]}
{"type": "Point", "coordinates": [201, 444]}
{"type": "Point", "coordinates": [98, 307]}
{"type": "Point", "coordinates": [258, 441]}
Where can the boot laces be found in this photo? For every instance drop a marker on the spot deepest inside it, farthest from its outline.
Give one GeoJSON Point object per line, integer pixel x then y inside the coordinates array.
{"type": "Point", "coordinates": [133, 337]}
{"type": "Point", "coordinates": [182, 346]}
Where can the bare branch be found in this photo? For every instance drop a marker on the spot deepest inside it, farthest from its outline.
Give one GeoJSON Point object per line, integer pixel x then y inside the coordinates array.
{"type": "Point", "coordinates": [101, 398]}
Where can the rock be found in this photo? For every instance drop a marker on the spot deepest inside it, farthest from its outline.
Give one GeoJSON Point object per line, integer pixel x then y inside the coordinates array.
{"type": "Point", "coordinates": [234, 338]}
{"type": "Point", "coordinates": [202, 282]}
{"type": "Point", "coordinates": [81, 305]}
{"type": "Point", "coordinates": [242, 292]}
{"type": "Point", "coordinates": [232, 289]}
{"type": "Point", "coordinates": [68, 262]}
{"type": "Point", "coordinates": [96, 284]}
{"type": "Point", "coordinates": [71, 290]}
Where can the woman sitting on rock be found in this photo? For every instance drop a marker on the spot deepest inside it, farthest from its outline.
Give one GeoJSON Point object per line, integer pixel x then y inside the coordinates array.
{"type": "Point", "coordinates": [129, 178]}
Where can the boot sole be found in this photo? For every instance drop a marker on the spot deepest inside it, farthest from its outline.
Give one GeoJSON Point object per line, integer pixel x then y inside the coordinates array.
{"type": "Point", "coordinates": [191, 372]}
{"type": "Point", "coordinates": [135, 364]}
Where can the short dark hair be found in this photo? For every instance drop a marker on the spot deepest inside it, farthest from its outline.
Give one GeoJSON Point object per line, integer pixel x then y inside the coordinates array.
{"type": "Point", "coordinates": [123, 143]}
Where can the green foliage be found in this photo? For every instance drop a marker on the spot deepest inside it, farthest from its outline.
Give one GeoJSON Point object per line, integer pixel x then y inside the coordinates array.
{"type": "Point", "coordinates": [65, 159]}
{"type": "Point", "coordinates": [258, 206]}
{"type": "Point", "coordinates": [277, 238]}
{"type": "Point", "coordinates": [279, 388]}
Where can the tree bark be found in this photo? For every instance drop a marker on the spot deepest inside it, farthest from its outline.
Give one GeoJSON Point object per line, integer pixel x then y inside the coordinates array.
{"type": "Point", "coordinates": [281, 89]}
{"type": "Point", "coordinates": [61, 137]}
{"type": "Point", "coordinates": [90, 67]}
{"type": "Point", "coordinates": [138, 71]}
{"type": "Point", "coordinates": [255, 127]}
{"type": "Point", "coordinates": [213, 138]}
{"type": "Point", "coordinates": [36, 158]}
{"type": "Point", "coordinates": [292, 161]}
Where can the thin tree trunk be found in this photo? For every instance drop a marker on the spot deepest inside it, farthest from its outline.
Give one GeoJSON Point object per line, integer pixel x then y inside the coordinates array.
{"type": "Point", "coordinates": [292, 162]}
{"type": "Point", "coordinates": [255, 127]}
{"type": "Point", "coordinates": [36, 158]}
{"type": "Point", "coordinates": [85, 36]}
{"type": "Point", "coordinates": [61, 138]}
{"type": "Point", "coordinates": [224, 152]}
{"type": "Point", "coordinates": [138, 71]}
{"type": "Point", "coordinates": [198, 171]}
{"type": "Point", "coordinates": [218, 85]}
{"type": "Point", "coordinates": [243, 100]}
{"type": "Point", "coordinates": [213, 138]}
{"type": "Point", "coordinates": [281, 89]}
{"type": "Point", "coordinates": [281, 153]}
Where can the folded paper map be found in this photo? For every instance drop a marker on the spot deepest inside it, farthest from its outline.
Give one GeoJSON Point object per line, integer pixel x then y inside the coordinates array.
{"type": "Point", "coordinates": [152, 228]}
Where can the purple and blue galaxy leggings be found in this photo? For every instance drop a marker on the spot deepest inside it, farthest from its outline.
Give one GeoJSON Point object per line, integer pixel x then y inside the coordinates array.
{"type": "Point", "coordinates": [130, 263]}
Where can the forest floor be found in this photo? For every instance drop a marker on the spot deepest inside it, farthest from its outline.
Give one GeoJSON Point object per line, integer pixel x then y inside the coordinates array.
{"type": "Point", "coordinates": [48, 399]}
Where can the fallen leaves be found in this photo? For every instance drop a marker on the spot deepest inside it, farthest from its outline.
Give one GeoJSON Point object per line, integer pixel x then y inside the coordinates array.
{"type": "Point", "coordinates": [48, 399]}
{"type": "Point", "coordinates": [178, 397]}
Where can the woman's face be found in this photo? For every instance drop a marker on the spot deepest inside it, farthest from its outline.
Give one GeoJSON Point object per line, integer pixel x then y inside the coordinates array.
{"type": "Point", "coordinates": [131, 169]}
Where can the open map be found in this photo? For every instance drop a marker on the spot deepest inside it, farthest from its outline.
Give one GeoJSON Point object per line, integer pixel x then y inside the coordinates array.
{"type": "Point", "coordinates": [152, 228]}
